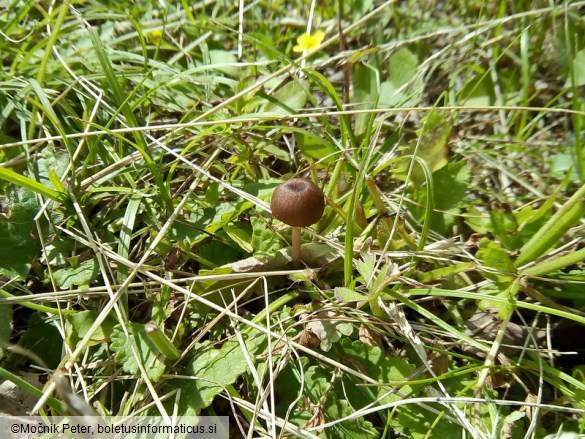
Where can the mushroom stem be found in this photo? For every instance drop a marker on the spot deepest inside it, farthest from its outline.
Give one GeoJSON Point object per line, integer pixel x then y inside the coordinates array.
{"type": "Point", "coordinates": [296, 247]}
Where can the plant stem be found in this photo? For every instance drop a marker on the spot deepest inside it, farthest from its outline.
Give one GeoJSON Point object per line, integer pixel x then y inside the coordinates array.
{"type": "Point", "coordinates": [296, 247]}
{"type": "Point", "coordinates": [161, 341]}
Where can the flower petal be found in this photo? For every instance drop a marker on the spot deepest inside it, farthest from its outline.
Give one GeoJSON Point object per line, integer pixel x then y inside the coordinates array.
{"type": "Point", "coordinates": [319, 36]}
{"type": "Point", "coordinates": [304, 41]}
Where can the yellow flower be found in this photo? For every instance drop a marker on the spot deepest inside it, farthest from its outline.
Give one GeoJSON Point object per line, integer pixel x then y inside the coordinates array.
{"type": "Point", "coordinates": [155, 36]}
{"type": "Point", "coordinates": [309, 42]}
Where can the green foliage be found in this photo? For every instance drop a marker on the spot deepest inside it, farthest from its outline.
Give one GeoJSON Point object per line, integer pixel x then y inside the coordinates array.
{"type": "Point", "coordinates": [572, 211]}
{"type": "Point", "coordinates": [5, 328]}
{"type": "Point", "coordinates": [448, 141]}
{"type": "Point", "coordinates": [329, 331]}
{"type": "Point", "coordinates": [450, 187]}
{"type": "Point", "coordinates": [402, 88]}
{"type": "Point", "coordinates": [81, 275]}
{"type": "Point", "coordinates": [264, 240]}
{"type": "Point", "coordinates": [315, 147]}
{"type": "Point", "coordinates": [289, 99]}
{"type": "Point", "coordinates": [378, 364]}
{"type": "Point", "coordinates": [210, 370]}
{"type": "Point", "coordinates": [338, 396]}
{"type": "Point", "coordinates": [317, 392]}
{"type": "Point", "coordinates": [431, 146]}
{"type": "Point", "coordinates": [135, 350]}
{"type": "Point", "coordinates": [499, 265]}
{"type": "Point", "coordinates": [80, 323]}
{"type": "Point", "coordinates": [579, 67]}
{"type": "Point", "coordinates": [43, 340]}
{"type": "Point", "coordinates": [225, 62]}
{"type": "Point", "coordinates": [17, 226]}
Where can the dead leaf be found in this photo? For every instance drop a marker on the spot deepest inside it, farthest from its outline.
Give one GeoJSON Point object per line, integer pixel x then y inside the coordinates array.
{"type": "Point", "coordinates": [317, 419]}
{"type": "Point", "coordinates": [484, 325]}
{"type": "Point", "coordinates": [439, 362]}
{"type": "Point", "coordinates": [497, 380]}
{"type": "Point", "coordinates": [370, 337]}
{"type": "Point", "coordinates": [530, 410]}
{"type": "Point", "coordinates": [309, 339]}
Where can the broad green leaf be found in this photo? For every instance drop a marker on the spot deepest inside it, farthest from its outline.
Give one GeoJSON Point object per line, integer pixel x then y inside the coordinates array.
{"type": "Point", "coordinates": [479, 90]}
{"type": "Point", "coordinates": [497, 261]}
{"type": "Point", "coordinates": [366, 85]}
{"type": "Point", "coordinates": [431, 146]}
{"type": "Point", "coordinates": [417, 423]}
{"type": "Point", "coordinates": [143, 347]}
{"type": "Point", "coordinates": [505, 226]}
{"type": "Point", "coordinates": [365, 267]}
{"type": "Point", "coordinates": [376, 363]}
{"type": "Point", "coordinates": [315, 147]}
{"type": "Point", "coordinates": [210, 370]}
{"type": "Point", "coordinates": [381, 279]}
{"type": "Point", "coordinates": [399, 89]}
{"type": "Point", "coordinates": [560, 164]}
{"type": "Point", "coordinates": [478, 220]}
{"type": "Point", "coordinates": [240, 235]}
{"type": "Point", "coordinates": [530, 220]}
{"type": "Point", "coordinates": [221, 251]}
{"type": "Point", "coordinates": [224, 61]}
{"type": "Point", "coordinates": [500, 291]}
{"type": "Point", "coordinates": [410, 420]}
{"type": "Point", "coordinates": [316, 254]}
{"type": "Point", "coordinates": [403, 66]}
{"type": "Point", "coordinates": [264, 241]}
{"type": "Point", "coordinates": [81, 322]}
{"type": "Point", "coordinates": [212, 193]}
{"type": "Point", "coordinates": [450, 185]}
{"type": "Point", "coordinates": [81, 275]}
{"type": "Point", "coordinates": [435, 133]}
{"type": "Point", "coordinates": [343, 294]}
{"type": "Point", "coordinates": [361, 7]}
{"type": "Point", "coordinates": [354, 429]}
{"type": "Point", "coordinates": [366, 90]}
{"type": "Point", "coordinates": [18, 241]}
{"type": "Point", "coordinates": [214, 218]}
{"type": "Point", "coordinates": [289, 99]}
{"type": "Point", "coordinates": [50, 165]}
{"type": "Point", "coordinates": [43, 340]}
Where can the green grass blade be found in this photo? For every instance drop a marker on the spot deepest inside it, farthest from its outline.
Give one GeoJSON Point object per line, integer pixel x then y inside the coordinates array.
{"type": "Point", "coordinates": [32, 185]}
{"type": "Point", "coordinates": [555, 264]}
{"type": "Point", "coordinates": [124, 242]}
{"type": "Point", "coordinates": [35, 306]}
{"type": "Point", "coordinates": [122, 102]}
{"type": "Point", "coordinates": [554, 229]}
{"type": "Point", "coordinates": [54, 403]}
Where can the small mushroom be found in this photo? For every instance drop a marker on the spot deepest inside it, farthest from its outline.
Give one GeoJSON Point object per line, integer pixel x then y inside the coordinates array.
{"type": "Point", "coordinates": [298, 203]}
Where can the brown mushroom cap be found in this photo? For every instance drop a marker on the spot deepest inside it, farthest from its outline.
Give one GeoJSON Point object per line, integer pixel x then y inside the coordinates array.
{"type": "Point", "coordinates": [298, 203]}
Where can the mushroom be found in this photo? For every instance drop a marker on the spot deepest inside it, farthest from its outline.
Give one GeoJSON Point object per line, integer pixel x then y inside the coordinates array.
{"type": "Point", "coordinates": [298, 203]}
